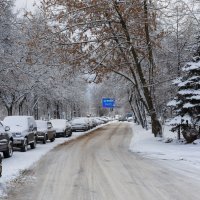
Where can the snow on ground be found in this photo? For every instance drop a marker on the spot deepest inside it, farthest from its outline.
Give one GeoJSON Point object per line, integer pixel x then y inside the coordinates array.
{"type": "Point", "coordinates": [12, 167]}
{"type": "Point", "coordinates": [145, 144]}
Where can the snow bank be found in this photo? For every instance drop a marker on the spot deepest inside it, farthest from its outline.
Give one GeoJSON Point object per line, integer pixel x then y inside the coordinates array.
{"type": "Point", "coordinates": [144, 143]}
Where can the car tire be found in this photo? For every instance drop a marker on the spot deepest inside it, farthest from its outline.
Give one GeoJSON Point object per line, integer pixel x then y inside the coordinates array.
{"type": "Point", "coordinates": [24, 148]}
{"type": "Point", "coordinates": [44, 140]}
{"type": "Point", "coordinates": [9, 152]}
{"type": "Point", "coordinates": [65, 133]}
{"type": "Point", "coordinates": [33, 145]}
{"type": "Point", "coordinates": [70, 134]}
{"type": "Point", "coordinates": [52, 139]}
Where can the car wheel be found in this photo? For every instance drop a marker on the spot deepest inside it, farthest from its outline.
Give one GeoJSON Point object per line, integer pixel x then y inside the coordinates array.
{"type": "Point", "coordinates": [25, 146]}
{"type": "Point", "coordinates": [70, 134]}
{"type": "Point", "coordinates": [33, 145]}
{"type": "Point", "coordinates": [9, 152]}
{"type": "Point", "coordinates": [65, 133]}
{"type": "Point", "coordinates": [45, 140]}
{"type": "Point", "coordinates": [52, 139]}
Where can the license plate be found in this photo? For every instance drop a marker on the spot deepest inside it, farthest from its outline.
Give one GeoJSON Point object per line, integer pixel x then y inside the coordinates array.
{"type": "Point", "coordinates": [17, 141]}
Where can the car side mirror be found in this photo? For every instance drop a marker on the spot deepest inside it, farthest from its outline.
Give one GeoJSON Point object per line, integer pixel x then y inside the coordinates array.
{"type": "Point", "coordinates": [49, 126]}
{"type": "Point", "coordinates": [7, 128]}
{"type": "Point", "coordinates": [31, 127]}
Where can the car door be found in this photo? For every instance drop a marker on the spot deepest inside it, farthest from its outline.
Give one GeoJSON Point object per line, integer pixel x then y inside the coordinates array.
{"type": "Point", "coordinates": [30, 130]}
{"type": "Point", "coordinates": [50, 130]}
{"type": "Point", "coordinates": [3, 137]}
{"type": "Point", "coordinates": [68, 127]}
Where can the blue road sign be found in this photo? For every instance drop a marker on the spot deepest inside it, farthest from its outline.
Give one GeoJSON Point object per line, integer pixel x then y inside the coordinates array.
{"type": "Point", "coordinates": [108, 103]}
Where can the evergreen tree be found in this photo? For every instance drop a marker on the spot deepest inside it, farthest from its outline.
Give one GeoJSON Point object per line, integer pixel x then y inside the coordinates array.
{"type": "Point", "coordinates": [186, 104]}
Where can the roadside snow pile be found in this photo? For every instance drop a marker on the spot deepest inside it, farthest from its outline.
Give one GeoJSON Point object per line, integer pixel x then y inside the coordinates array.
{"type": "Point", "coordinates": [166, 148]}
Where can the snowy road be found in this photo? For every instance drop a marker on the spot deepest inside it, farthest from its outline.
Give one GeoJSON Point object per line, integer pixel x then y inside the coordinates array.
{"type": "Point", "coordinates": [100, 167]}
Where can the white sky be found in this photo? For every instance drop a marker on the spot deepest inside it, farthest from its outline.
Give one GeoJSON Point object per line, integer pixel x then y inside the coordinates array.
{"type": "Point", "coordinates": [25, 4]}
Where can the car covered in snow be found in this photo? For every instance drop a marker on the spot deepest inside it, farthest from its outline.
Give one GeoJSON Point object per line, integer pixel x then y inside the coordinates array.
{"type": "Point", "coordinates": [23, 130]}
{"type": "Point", "coordinates": [80, 124]}
{"type": "Point", "coordinates": [62, 127]}
{"type": "Point", "coordinates": [45, 131]}
{"type": "Point", "coordinates": [6, 141]}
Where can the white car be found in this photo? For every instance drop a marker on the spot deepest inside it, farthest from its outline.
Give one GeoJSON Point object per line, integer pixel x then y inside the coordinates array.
{"type": "Point", "coordinates": [23, 130]}
{"type": "Point", "coordinates": [62, 127]}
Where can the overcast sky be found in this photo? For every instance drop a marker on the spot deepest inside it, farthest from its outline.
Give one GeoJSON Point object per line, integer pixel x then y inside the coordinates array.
{"type": "Point", "coordinates": [25, 4]}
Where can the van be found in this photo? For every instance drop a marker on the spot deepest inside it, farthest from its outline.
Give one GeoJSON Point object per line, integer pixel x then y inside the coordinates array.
{"type": "Point", "coordinates": [23, 130]}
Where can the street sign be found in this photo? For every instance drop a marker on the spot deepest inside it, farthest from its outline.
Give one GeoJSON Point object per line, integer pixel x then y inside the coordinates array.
{"type": "Point", "coordinates": [108, 103]}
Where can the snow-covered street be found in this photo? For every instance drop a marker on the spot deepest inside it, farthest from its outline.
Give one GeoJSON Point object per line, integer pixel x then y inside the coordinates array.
{"type": "Point", "coordinates": [14, 166]}
{"type": "Point", "coordinates": [106, 68]}
{"type": "Point", "coordinates": [99, 166]}
{"type": "Point", "coordinates": [179, 157]}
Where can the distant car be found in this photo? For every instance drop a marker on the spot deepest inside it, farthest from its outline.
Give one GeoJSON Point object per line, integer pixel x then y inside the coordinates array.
{"type": "Point", "coordinates": [23, 130]}
{"type": "Point", "coordinates": [6, 141]}
{"type": "Point", "coordinates": [129, 119]}
{"type": "Point", "coordinates": [80, 124]}
{"type": "Point", "coordinates": [99, 121]}
{"type": "Point", "coordinates": [90, 121]}
{"type": "Point", "coordinates": [62, 127]}
{"type": "Point", "coordinates": [103, 119]}
{"type": "Point", "coordinates": [122, 119]}
{"type": "Point", "coordinates": [45, 131]}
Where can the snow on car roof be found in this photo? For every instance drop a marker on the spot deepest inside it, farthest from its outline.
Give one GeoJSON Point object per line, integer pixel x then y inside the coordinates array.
{"type": "Point", "coordinates": [41, 124]}
{"type": "Point", "coordinates": [58, 122]}
{"type": "Point", "coordinates": [16, 121]}
{"type": "Point", "coordinates": [78, 120]}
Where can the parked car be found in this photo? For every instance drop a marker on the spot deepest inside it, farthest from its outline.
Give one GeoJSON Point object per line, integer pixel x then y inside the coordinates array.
{"type": "Point", "coordinates": [62, 127]}
{"type": "Point", "coordinates": [101, 121]}
{"type": "Point", "coordinates": [6, 141]}
{"type": "Point", "coordinates": [23, 130]}
{"type": "Point", "coordinates": [90, 121]}
{"type": "Point", "coordinates": [130, 119]}
{"type": "Point", "coordinates": [45, 131]}
{"type": "Point", "coordinates": [80, 124]}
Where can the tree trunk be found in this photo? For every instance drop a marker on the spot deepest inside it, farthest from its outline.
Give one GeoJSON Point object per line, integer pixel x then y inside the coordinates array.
{"type": "Point", "coordinates": [9, 110]}
{"type": "Point", "coordinates": [57, 110]}
{"type": "Point", "coordinates": [35, 109]}
{"type": "Point", "coordinates": [21, 106]}
{"type": "Point", "coordinates": [156, 126]}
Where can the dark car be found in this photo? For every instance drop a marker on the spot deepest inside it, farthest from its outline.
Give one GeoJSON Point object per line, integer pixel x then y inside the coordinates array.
{"type": "Point", "coordinates": [45, 131]}
{"type": "Point", "coordinates": [80, 124]}
{"type": "Point", "coordinates": [62, 127]}
{"type": "Point", "coordinates": [6, 141]}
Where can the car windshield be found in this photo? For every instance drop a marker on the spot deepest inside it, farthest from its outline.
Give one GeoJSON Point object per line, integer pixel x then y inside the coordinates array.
{"type": "Point", "coordinates": [15, 121]}
{"type": "Point", "coordinates": [58, 123]}
{"type": "Point", "coordinates": [41, 124]}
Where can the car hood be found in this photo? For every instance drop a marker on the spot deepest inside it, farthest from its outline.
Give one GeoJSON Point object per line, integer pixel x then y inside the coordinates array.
{"type": "Point", "coordinates": [59, 129]}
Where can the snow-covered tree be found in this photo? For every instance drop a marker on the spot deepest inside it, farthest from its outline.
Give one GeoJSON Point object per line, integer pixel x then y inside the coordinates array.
{"type": "Point", "coordinates": [186, 103]}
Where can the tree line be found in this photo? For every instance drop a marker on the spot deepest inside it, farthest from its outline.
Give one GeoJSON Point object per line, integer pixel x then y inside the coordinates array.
{"type": "Point", "coordinates": [140, 46]}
